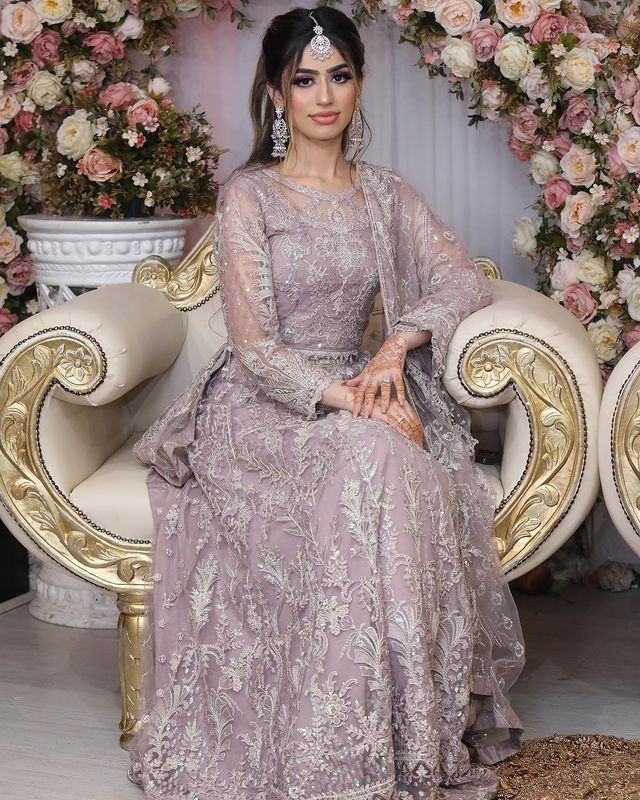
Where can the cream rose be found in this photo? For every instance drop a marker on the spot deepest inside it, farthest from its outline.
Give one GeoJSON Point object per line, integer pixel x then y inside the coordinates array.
{"type": "Point", "coordinates": [564, 274]}
{"type": "Point", "coordinates": [458, 56]}
{"type": "Point", "coordinates": [4, 291]}
{"type": "Point", "coordinates": [629, 149]}
{"type": "Point", "coordinates": [578, 211]}
{"type": "Point", "coordinates": [517, 12]}
{"type": "Point", "coordinates": [131, 28]}
{"type": "Point", "coordinates": [577, 69]}
{"type": "Point", "coordinates": [513, 57]}
{"type": "Point", "coordinates": [10, 244]}
{"type": "Point", "coordinates": [524, 236]}
{"type": "Point", "coordinates": [75, 135]}
{"type": "Point", "coordinates": [111, 10]}
{"type": "Point", "coordinates": [579, 166]}
{"type": "Point", "coordinates": [46, 90]}
{"type": "Point", "coordinates": [458, 16]}
{"type": "Point", "coordinates": [53, 11]}
{"type": "Point", "coordinates": [549, 5]}
{"type": "Point", "coordinates": [20, 22]}
{"type": "Point", "coordinates": [158, 87]}
{"type": "Point", "coordinates": [593, 269]}
{"type": "Point", "coordinates": [13, 167]}
{"type": "Point", "coordinates": [606, 339]}
{"type": "Point", "coordinates": [631, 291]}
{"type": "Point", "coordinates": [543, 166]}
{"type": "Point", "coordinates": [426, 5]}
{"type": "Point", "coordinates": [9, 107]}
{"type": "Point", "coordinates": [188, 8]}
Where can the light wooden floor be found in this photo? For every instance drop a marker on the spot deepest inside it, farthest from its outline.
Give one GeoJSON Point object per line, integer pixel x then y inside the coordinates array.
{"type": "Point", "coordinates": [59, 700]}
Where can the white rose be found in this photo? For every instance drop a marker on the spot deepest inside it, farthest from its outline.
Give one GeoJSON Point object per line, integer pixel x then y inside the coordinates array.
{"type": "Point", "coordinates": [564, 274]}
{"type": "Point", "coordinates": [534, 84]}
{"type": "Point", "coordinates": [629, 149]}
{"type": "Point", "coordinates": [426, 5]}
{"type": "Point", "coordinates": [458, 56]}
{"type": "Point", "coordinates": [543, 165]}
{"type": "Point", "coordinates": [53, 11]}
{"type": "Point", "coordinates": [548, 5]}
{"type": "Point", "coordinates": [631, 291]}
{"type": "Point", "coordinates": [606, 339]}
{"type": "Point", "coordinates": [524, 236]}
{"type": "Point", "coordinates": [158, 87]}
{"type": "Point", "coordinates": [131, 28]}
{"type": "Point", "coordinates": [191, 8]}
{"type": "Point", "coordinates": [46, 89]}
{"type": "Point", "coordinates": [579, 166]}
{"type": "Point", "coordinates": [513, 57]}
{"type": "Point", "coordinates": [458, 16]}
{"type": "Point", "coordinates": [13, 167]}
{"type": "Point", "coordinates": [75, 135]}
{"type": "Point", "coordinates": [577, 69]}
{"type": "Point", "coordinates": [517, 12]}
{"type": "Point", "coordinates": [4, 291]}
{"type": "Point", "coordinates": [592, 269]}
{"type": "Point", "coordinates": [111, 10]}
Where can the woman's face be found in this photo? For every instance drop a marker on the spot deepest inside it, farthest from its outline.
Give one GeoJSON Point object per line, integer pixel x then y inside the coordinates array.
{"type": "Point", "coordinates": [323, 95]}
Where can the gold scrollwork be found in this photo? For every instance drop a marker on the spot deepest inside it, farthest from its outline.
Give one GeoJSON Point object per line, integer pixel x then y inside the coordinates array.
{"type": "Point", "coordinates": [549, 392]}
{"type": "Point", "coordinates": [625, 448]}
{"type": "Point", "coordinates": [74, 360]}
{"type": "Point", "coordinates": [490, 267]}
{"type": "Point", "coordinates": [191, 283]}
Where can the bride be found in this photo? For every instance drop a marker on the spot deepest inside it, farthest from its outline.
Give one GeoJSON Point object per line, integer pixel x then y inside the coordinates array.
{"type": "Point", "coordinates": [330, 619]}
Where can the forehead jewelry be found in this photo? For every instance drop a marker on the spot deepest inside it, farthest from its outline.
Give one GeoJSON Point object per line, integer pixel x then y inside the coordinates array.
{"type": "Point", "coordinates": [320, 46]}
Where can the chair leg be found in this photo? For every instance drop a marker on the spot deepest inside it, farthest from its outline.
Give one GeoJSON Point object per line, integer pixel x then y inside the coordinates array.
{"type": "Point", "coordinates": [132, 626]}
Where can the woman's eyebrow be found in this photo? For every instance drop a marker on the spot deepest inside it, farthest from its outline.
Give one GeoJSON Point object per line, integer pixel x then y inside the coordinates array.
{"type": "Point", "coordinates": [316, 72]}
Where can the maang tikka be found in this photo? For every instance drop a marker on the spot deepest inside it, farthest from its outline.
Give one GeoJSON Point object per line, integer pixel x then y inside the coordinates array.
{"type": "Point", "coordinates": [320, 46]}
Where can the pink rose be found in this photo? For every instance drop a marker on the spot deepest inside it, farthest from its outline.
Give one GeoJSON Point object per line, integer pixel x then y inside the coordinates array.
{"type": "Point", "coordinates": [609, 298]}
{"type": "Point", "coordinates": [105, 47]}
{"type": "Point", "coordinates": [484, 39]}
{"type": "Point", "coordinates": [631, 335]}
{"type": "Point", "coordinates": [25, 121]}
{"type": "Point", "coordinates": [46, 47]}
{"type": "Point", "coordinates": [556, 192]}
{"type": "Point", "coordinates": [145, 113]}
{"type": "Point", "coordinates": [19, 274]}
{"type": "Point", "coordinates": [4, 138]}
{"type": "Point", "coordinates": [625, 86]}
{"type": "Point", "coordinates": [10, 244]}
{"type": "Point", "coordinates": [562, 143]}
{"type": "Point", "coordinates": [22, 75]}
{"type": "Point", "coordinates": [577, 112]}
{"type": "Point", "coordinates": [577, 25]}
{"type": "Point", "coordinates": [575, 244]}
{"type": "Point", "coordinates": [99, 166]}
{"type": "Point", "coordinates": [134, 7]}
{"type": "Point", "coordinates": [615, 166]}
{"type": "Point", "coordinates": [580, 302]}
{"type": "Point", "coordinates": [565, 273]}
{"type": "Point", "coordinates": [7, 320]}
{"type": "Point", "coordinates": [635, 108]}
{"type": "Point", "coordinates": [548, 27]}
{"type": "Point", "coordinates": [119, 95]}
{"type": "Point", "coordinates": [401, 15]}
{"type": "Point", "coordinates": [68, 28]}
{"type": "Point", "coordinates": [525, 123]}
{"type": "Point", "coordinates": [521, 150]}
{"type": "Point", "coordinates": [578, 211]}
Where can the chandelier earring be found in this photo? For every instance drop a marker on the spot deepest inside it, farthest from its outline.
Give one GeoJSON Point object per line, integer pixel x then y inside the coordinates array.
{"type": "Point", "coordinates": [355, 127]}
{"type": "Point", "coordinates": [280, 134]}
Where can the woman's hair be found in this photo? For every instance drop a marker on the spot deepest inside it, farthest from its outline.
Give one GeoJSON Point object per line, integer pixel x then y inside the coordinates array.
{"type": "Point", "coordinates": [282, 47]}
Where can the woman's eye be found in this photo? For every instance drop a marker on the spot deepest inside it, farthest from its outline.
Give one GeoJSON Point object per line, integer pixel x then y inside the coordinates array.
{"type": "Point", "coordinates": [339, 77]}
{"type": "Point", "coordinates": [301, 81]}
{"type": "Point", "coordinates": [344, 76]}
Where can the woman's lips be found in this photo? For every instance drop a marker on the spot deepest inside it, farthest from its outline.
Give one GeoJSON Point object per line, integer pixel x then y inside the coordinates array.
{"type": "Point", "coordinates": [325, 119]}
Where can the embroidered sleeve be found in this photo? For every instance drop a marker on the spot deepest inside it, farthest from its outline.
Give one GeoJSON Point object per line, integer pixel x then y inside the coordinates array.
{"type": "Point", "coordinates": [451, 285]}
{"type": "Point", "coordinates": [249, 306]}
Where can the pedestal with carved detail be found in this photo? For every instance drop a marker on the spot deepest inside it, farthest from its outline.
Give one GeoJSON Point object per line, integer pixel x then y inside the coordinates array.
{"type": "Point", "coordinates": [72, 255]}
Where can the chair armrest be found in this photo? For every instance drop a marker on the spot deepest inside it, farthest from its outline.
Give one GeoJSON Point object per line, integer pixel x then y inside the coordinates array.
{"type": "Point", "coordinates": [619, 446]}
{"type": "Point", "coordinates": [525, 346]}
{"type": "Point", "coordinates": [101, 344]}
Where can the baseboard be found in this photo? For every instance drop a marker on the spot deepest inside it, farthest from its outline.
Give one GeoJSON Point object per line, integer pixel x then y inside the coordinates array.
{"type": "Point", "coordinates": [15, 602]}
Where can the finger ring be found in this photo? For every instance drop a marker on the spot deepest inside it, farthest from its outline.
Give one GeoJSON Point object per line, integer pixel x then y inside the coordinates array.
{"type": "Point", "coordinates": [401, 419]}
{"type": "Point", "coordinates": [386, 379]}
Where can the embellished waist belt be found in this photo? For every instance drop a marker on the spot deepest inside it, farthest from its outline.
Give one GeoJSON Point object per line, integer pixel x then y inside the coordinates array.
{"type": "Point", "coordinates": [322, 353]}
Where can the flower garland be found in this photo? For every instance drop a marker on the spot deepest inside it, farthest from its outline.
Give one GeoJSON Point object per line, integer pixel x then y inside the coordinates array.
{"type": "Point", "coordinates": [84, 132]}
{"type": "Point", "coordinates": [566, 78]}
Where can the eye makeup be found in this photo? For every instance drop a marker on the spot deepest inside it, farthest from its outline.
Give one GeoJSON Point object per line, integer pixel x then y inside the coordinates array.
{"type": "Point", "coordinates": [343, 75]}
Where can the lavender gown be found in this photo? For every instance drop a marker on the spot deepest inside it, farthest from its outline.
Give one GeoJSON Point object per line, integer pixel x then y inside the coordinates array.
{"type": "Point", "coordinates": [315, 607]}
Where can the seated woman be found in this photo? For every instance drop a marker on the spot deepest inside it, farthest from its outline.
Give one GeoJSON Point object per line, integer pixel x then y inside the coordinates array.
{"type": "Point", "coordinates": [330, 618]}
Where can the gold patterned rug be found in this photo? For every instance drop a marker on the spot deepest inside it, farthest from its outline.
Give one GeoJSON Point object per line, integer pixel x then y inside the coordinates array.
{"type": "Point", "coordinates": [579, 767]}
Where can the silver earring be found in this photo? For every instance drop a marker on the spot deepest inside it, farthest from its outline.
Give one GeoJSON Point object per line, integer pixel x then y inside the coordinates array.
{"type": "Point", "coordinates": [355, 128]}
{"type": "Point", "coordinates": [280, 135]}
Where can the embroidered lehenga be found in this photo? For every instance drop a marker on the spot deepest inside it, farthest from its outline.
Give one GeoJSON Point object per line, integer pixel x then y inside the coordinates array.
{"type": "Point", "coordinates": [329, 614]}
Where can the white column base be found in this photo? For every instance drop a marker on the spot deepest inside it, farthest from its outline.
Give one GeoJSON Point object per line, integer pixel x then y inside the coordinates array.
{"type": "Point", "coordinates": [62, 599]}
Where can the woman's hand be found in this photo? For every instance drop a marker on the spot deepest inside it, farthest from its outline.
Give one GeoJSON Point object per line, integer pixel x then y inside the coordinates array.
{"type": "Point", "coordinates": [385, 368]}
{"type": "Point", "coordinates": [402, 418]}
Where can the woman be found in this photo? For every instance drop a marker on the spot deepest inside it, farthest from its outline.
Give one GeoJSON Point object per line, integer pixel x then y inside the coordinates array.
{"type": "Point", "coordinates": [330, 616]}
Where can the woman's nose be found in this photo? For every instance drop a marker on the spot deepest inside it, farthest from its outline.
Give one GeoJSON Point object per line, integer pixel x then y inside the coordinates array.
{"type": "Point", "coordinates": [325, 95]}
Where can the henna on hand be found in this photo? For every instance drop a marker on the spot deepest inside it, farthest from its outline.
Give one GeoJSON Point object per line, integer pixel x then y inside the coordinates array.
{"type": "Point", "coordinates": [402, 418]}
{"type": "Point", "coordinates": [387, 363]}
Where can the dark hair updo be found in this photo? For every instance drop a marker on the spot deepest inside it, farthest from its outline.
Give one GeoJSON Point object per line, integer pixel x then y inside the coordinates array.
{"type": "Point", "coordinates": [282, 46]}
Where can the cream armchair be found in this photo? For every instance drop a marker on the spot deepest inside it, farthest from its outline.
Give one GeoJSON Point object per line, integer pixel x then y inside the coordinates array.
{"type": "Point", "coordinates": [80, 382]}
{"type": "Point", "coordinates": [619, 447]}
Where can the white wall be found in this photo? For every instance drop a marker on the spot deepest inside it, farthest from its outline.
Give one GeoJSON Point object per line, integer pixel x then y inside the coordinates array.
{"type": "Point", "coordinates": [467, 174]}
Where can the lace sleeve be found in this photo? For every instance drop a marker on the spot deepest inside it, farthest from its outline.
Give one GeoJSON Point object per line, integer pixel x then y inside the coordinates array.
{"type": "Point", "coordinates": [451, 285]}
{"type": "Point", "coordinates": [249, 306]}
